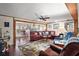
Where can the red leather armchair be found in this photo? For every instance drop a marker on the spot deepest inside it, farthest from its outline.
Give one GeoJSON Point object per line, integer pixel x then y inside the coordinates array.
{"type": "Point", "coordinates": [72, 49]}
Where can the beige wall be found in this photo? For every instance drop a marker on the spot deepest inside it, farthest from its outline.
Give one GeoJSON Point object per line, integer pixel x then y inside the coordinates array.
{"type": "Point", "coordinates": [61, 28]}
{"type": "Point", "coordinates": [10, 28]}
{"type": "Point", "coordinates": [0, 23]}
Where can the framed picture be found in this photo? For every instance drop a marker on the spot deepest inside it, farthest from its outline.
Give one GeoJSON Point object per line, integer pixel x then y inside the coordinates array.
{"type": "Point", "coordinates": [50, 26]}
{"type": "Point", "coordinates": [55, 26]}
{"type": "Point", "coordinates": [6, 24]}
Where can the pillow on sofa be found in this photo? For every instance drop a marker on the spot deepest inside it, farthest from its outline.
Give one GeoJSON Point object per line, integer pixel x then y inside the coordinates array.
{"type": "Point", "coordinates": [40, 33]}
{"type": "Point", "coordinates": [35, 33]}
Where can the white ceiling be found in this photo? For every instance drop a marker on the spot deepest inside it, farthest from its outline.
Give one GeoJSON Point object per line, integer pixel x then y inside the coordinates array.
{"type": "Point", "coordinates": [56, 11]}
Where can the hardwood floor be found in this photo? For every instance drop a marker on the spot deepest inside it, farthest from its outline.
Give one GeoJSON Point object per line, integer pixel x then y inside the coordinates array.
{"type": "Point", "coordinates": [14, 51]}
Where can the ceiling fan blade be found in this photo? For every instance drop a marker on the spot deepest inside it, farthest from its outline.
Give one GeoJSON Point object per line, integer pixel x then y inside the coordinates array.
{"type": "Point", "coordinates": [38, 17]}
{"type": "Point", "coordinates": [41, 17]}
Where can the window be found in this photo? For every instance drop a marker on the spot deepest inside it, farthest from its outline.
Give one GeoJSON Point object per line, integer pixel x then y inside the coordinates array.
{"type": "Point", "coordinates": [55, 26]}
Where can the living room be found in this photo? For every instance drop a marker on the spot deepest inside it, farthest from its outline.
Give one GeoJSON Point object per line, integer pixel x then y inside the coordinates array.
{"type": "Point", "coordinates": [37, 29]}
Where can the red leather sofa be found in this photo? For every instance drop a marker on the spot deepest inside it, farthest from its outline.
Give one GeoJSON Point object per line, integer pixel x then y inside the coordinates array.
{"type": "Point", "coordinates": [37, 35]}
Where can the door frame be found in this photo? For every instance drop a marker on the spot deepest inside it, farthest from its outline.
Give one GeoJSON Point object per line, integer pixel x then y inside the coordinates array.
{"type": "Point", "coordinates": [14, 28]}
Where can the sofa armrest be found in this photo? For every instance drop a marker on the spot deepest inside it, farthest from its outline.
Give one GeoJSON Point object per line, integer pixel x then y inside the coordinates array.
{"type": "Point", "coordinates": [48, 52]}
{"type": "Point", "coordinates": [42, 53]}
{"type": "Point", "coordinates": [56, 48]}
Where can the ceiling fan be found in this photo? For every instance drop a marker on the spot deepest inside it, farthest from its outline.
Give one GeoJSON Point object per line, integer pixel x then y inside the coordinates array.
{"type": "Point", "coordinates": [44, 18]}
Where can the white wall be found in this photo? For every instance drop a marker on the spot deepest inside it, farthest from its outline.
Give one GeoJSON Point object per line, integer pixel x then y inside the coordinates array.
{"type": "Point", "coordinates": [0, 23]}
{"type": "Point", "coordinates": [10, 28]}
{"type": "Point", "coordinates": [60, 29]}
{"type": "Point", "coordinates": [78, 16]}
